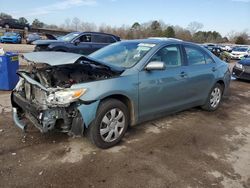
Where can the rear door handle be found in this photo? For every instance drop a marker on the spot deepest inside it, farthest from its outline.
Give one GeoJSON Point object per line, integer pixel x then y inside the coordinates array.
{"type": "Point", "coordinates": [183, 74]}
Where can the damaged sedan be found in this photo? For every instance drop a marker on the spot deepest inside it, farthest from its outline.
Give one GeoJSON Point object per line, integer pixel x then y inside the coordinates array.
{"type": "Point", "coordinates": [123, 84]}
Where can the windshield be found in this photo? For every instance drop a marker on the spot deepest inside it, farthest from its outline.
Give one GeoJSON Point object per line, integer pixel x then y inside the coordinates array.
{"type": "Point", "coordinates": [10, 34]}
{"type": "Point", "coordinates": [69, 37]}
{"type": "Point", "coordinates": [240, 49]}
{"type": "Point", "coordinates": [123, 54]}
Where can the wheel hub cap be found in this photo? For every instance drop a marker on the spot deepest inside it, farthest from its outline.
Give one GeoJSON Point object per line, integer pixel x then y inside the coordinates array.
{"type": "Point", "coordinates": [112, 125]}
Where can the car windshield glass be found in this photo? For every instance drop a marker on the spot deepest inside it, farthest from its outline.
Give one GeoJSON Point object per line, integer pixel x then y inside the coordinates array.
{"type": "Point", "coordinates": [69, 37]}
{"type": "Point", "coordinates": [10, 34]}
{"type": "Point", "coordinates": [123, 54]}
{"type": "Point", "coordinates": [240, 49]}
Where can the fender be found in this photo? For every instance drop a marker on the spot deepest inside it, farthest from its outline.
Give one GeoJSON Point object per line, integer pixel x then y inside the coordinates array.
{"type": "Point", "coordinates": [88, 112]}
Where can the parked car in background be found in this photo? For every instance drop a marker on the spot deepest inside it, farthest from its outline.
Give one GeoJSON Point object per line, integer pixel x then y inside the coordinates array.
{"type": "Point", "coordinates": [32, 37]}
{"type": "Point", "coordinates": [13, 23]}
{"type": "Point", "coordinates": [122, 84]}
{"type": "Point", "coordinates": [11, 37]}
{"type": "Point", "coordinates": [216, 50]}
{"type": "Point", "coordinates": [239, 52]}
{"type": "Point", "coordinates": [77, 42]}
{"type": "Point", "coordinates": [241, 69]}
{"type": "Point", "coordinates": [225, 47]}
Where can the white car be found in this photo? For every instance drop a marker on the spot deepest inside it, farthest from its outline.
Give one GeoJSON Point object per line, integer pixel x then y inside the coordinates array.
{"type": "Point", "coordinates": [240, 52]}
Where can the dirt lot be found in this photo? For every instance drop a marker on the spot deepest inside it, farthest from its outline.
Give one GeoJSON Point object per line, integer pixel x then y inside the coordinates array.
{"type": "Point", "coordinates": [22, 48]}
{"type": "Point", "coordinates": [193, 148]}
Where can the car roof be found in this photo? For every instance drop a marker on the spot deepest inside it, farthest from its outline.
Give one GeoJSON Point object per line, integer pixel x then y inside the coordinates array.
{"type": "Point", "coordinates": [100, 33]}
{"type": "Point", "coordinates": [159, 41]}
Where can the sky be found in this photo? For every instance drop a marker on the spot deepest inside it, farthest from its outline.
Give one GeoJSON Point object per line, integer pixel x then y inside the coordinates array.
{"type": "Point", "coordinates": [221, 15]}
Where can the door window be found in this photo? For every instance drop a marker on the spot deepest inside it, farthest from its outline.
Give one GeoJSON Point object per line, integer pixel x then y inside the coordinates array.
{"type": "Point", "coordinates": [102, 39]}
{"type": "Point", "coordinates": [170, 55]}
{"type": "Point", "coordinates": [197, 57]}
{"type": "Point", "coordinates": [85, 38]}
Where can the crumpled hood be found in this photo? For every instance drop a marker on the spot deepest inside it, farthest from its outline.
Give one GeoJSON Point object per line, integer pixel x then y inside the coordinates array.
{"type": "Point", "coordinates": [52, 58]}
{"type": "Point", "coordinates": [62, 58]}
{"type": "Point", "coordinates": [47, 42]}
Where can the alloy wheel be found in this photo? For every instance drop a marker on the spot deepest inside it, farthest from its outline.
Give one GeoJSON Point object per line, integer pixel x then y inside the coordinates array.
{"type": "Point", "coordinates": [112, 125]}
{"type": "Point", "coordinates": [215, 97]}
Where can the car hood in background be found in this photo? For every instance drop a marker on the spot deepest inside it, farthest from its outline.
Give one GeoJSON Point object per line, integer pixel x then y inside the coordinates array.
{"type": "Point", "coordinates": [44, 42]}
{"type": "Point", "coordinates": [245, 61]}
{"type": "Point", "coordinates": [9, 37]}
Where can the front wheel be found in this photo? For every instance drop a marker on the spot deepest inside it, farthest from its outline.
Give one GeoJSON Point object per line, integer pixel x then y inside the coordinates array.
{"type": "Point", "coordinates": [110, 124]}
{"type": "Point", "coordinates": [214, 98]}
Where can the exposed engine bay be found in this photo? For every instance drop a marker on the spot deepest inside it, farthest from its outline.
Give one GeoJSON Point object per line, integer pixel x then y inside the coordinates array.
{"type": "Point", "coordinates": [64, 76]}
{"type": "Point", "coordinates": [44, 95]}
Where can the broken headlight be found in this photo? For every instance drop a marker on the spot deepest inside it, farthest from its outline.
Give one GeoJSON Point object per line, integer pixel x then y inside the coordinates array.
{"type": "Point", "coordinates": [65, 96]}
{"type": "Point", "coordinates": [239, 66]}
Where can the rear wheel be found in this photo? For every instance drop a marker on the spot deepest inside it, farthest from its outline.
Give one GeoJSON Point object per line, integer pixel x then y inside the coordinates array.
{"type": "Point", "coordinates": [214, 98]}
{"type": "Point", "coordinates": [110, 124]}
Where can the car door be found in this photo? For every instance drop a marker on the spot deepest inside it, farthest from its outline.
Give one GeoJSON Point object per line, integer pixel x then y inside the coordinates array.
{"type": "Point", "coordinates": [202, 71]}
{"type": "Point", "coordinates": [163, 90]}
{"type": "Point", "coordinates": [81, 45]}
{"type": "Point", "coordinates": [17, 24]}
{"type": "Point", "coordinates": [99, 41]}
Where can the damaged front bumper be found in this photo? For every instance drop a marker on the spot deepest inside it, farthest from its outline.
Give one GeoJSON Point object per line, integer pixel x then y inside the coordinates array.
{"type": "Point", "coordinates": [44, 119]}
{"type": "Point", "coordinates": [70, 118]}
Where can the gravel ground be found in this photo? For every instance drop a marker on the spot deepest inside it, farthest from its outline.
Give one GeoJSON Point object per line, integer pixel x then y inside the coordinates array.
{"type": "Point", "coordinates": [21, 48]}
{"type": "Point", "coordinates": [193, 148]}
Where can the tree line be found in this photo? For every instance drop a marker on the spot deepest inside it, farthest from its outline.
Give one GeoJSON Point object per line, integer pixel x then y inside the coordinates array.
{"type": "Point", "coordinates": [156, 28]}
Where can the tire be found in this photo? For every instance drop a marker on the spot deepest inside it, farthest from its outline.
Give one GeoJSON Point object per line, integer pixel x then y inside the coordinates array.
{"type": "Point", "coordinates": [112, 120]}
{"type": "Point", "coordinates": [214, 99]}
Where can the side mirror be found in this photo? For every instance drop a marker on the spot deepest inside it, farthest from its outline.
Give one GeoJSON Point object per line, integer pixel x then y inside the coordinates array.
{"type": "Point", "coordinates": [76, 42]}
{"type": "Point", "coordinates": [155, 65]}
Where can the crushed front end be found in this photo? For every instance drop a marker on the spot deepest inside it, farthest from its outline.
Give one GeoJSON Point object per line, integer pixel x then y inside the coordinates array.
{"type": "Point", "coordinates": [31, 102]}
{"type": "Point", "coordinates": [44, 95]}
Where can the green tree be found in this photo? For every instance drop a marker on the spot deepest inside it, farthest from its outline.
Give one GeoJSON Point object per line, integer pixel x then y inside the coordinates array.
{"type": "Point", "coordinates": [136, 26]}
{"type": "Point", "coordinates": [155, 25]}
{"type": "Point", "coordinates": [5, 16]}
{"type": "Point", "coordinates": [240, 40]}
{"type": "Point", "coordinates": [169, 32]}
{"type": "Point", "coordinates": [37, 24]}
{"type": "Point", "coordinates": [155, 29]}
{"type": "Point", "coordinates": [23, 20]}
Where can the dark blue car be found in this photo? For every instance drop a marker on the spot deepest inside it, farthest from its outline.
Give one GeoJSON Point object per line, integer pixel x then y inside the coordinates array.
{"type": "Point", "coordinates": [241, 69]}
{"type": "Point", "coordinates": [11, 37]}
{"type": "Point", "coordinates": [77, 42]}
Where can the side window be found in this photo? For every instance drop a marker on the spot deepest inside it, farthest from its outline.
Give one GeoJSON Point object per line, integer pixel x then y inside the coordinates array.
{"type": "Point", "coordinates": [85, 38]}
{"type": "Point", "coordinates": [208, 59]}
{"type": "Point", "coordinates": [170, 55]}
{"type": "Point", "coordinates": [195, 56]}
{"type": "Point", "coordinates": [110, 39]}
{"type": "Point", "coordinates": [99, 39]}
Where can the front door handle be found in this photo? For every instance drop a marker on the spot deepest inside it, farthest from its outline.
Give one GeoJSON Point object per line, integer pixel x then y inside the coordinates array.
{"type": "Point", "coordinates": [214, 69]}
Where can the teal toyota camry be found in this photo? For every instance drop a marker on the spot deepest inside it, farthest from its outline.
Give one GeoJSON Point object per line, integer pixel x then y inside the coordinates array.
{"type": "Point", "coordinates": [123, 84]}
